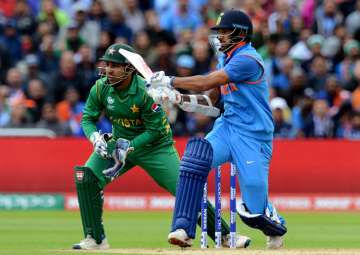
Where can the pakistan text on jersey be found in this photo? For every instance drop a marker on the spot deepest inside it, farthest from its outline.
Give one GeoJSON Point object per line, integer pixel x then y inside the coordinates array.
{"type": "Point", "coordinates": [126, 122]}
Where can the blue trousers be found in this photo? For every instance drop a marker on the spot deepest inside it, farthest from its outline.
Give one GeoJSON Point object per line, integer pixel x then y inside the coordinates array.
{"type": "Point", "coordinates": [251, 157]}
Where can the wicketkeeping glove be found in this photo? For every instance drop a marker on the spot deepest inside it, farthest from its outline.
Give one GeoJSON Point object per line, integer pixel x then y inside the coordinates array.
{"type": "Point", "coordinates": [122, 148]}
{"type": "Point", "coordinates": [99, 142]}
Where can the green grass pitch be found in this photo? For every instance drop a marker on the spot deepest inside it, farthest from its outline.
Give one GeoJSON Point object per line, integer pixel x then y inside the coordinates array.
{"type": "Point", "coordinates": [53, 232]}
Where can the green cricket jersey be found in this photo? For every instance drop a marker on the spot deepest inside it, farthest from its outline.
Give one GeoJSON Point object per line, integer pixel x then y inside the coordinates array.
{"type": "Point", "coordinates": [132, 112]}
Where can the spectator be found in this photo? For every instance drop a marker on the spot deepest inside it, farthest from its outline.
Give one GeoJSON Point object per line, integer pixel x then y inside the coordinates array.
{"type": "Point", "coordinates": [202, 57]}
{"type": "Point", "coordinates": [345, 68]}
{"type": "Point", "coordinates": [15, 82]}
{"type": "Point", "coordinates": [50, 13]}
{"type": "Point", "coordinates": [279, 20]}
{"type": "Point", "coordinates": [106, 39]}
{"type": "Point", "coordinates": [281, 80]}
{"type": "Point", "coordinates": [36, 98]}
{"type": "Point", "coordinates": [353, 20]}
{"type": "Point", "coordinates": [33, 71]}
{"type": "Point", "coordinates": [50, 120]}
{"type": "Point", "coordinates": [116, 24]}
{"type": "Point", "coordinates": [297, 87]}
{"type": "Point", "coordinates": [68, 76]}
{"type": "Point", "coordinates": [142, 44]}
{"type": "Point", "coordinates": [318, 74]}
{"type": "Point", "coordinates": [282, 128]}
{"type": "Point", "coordinates": [319, 124]}
{"type": "Point", "coordinates": [89, 30]}
{"type": "Point", "coordinates": [25, 21]}
{"type": "Point", "coordinates": [86, 65]}
{"type": "Point", "coordinates": [342, 120]}
{"type": "Point", "coordinates": [354, 131]}
{"type": "Point", "coordinates": [4, 106]}
{"type": "Point", "coordinates": [212, 12]}
{"type": "Point", "coordinates": [327, 17]}
{"type": "Point", "coordinates": [19, 117]}
{"type": "Point", "coordinates": [314, 43]}
{"type": "Point", "coordinates": [11, 40]}
{"type": "Point", "coordinates": [135, 19]}
{"type": "Point", "coordinates": [48, 57]}
{"type": "Point", "coordinates": [155, 31]}
{"type": "Point", "coordinates": [162, 57]}
{"type": "Point", "coordinates": [73, 40]}
{"type": "Point", "coordinates": [98, 14]}
{"type": "Point", "coordinates": [180, 18]}
{"type": "Point", "coordinates": [5, 62]}
{"type": "Point", "coordinates": [70, 110]}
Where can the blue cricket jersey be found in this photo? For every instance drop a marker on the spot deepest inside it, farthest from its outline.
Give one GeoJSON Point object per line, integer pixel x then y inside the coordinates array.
{"type": "Point", "coordinates": [246, 96]}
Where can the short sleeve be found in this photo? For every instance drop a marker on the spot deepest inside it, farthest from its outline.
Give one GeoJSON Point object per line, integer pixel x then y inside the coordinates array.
{"type": "Point", "coordinates": [242, 68]}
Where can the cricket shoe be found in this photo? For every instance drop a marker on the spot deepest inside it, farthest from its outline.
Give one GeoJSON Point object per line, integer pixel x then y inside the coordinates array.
{"type": "Point", "coordinates": [180, 238]}
{"type": "Point", "coordinates": [89, 243]}
{"type": "Point", "coordinates": [274, 242]}
{"type": "Point", "coordinates": [240, 241]}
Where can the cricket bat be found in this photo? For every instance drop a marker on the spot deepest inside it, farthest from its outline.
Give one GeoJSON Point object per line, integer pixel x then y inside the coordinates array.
{"type": "Point", "coordinates": [189, 106]}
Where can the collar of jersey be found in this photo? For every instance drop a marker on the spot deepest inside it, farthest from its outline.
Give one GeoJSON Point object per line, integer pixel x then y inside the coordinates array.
{"type": "Point", "coordinates": [238, 47]}
{"type": "Point", "coordinates": [131, 90]}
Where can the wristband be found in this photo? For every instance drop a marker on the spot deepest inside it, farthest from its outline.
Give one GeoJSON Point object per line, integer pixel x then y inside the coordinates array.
{"type": "Point", "coordinates": [172, 78]}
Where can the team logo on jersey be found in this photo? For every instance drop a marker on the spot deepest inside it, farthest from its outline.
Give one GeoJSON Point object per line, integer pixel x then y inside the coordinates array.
{"type": "Point", "coordinates": [155, 107]}
{"type": "Point", "coordinates": [110, 100]}
{"type": "Point", "coordinates": [79, 175]}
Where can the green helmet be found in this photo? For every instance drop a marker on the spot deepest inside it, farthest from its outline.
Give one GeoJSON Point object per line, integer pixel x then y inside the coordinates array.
{"type": "Point", "coordinates": [112, 53]}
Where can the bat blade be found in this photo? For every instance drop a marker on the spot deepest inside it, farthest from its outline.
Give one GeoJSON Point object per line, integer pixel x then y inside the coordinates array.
{"type": "Point", "coordinates": [138, 62]}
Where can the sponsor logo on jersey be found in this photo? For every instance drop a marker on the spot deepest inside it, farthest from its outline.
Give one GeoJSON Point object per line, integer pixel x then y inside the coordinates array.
{"type": "Point", "coordinates": [155, 107]}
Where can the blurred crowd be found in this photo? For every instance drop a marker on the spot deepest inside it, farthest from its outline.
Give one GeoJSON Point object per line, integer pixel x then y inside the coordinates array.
{"type": "Point", "coordinates": [49, 51]}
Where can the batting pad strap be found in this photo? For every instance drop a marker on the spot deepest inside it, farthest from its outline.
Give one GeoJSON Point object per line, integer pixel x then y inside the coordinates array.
{"type": "Point", "coordinates": [194, 169]}
{"type": "Point", "coordinates": [262, 222]}
{"type": "Point", "coordinates": [90, 198]}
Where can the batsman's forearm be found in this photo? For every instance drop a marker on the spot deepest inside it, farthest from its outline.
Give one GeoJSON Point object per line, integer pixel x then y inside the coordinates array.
{"type": "Point", "coordinates": [196, 83]}
{"type": "Point", "coordinates": [200, 83]}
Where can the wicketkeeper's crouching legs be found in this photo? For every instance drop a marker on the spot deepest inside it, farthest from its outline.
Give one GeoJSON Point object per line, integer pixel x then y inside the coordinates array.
{"type": "Point", "coordinates": [90, 197]}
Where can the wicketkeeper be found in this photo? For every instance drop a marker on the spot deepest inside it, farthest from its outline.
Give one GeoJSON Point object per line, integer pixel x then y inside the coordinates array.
{"type": "Point", "coordinates": [141, 136]}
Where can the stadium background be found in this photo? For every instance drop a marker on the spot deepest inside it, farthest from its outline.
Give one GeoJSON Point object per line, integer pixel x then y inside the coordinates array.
{"type": "Point", "coordinates": [48, 58]}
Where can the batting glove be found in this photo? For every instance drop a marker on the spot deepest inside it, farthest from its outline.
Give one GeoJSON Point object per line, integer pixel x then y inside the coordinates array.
{"type": "Point", "coordinates": [164, 95]}
{"type": "Point", "coordinates": [159, 79]}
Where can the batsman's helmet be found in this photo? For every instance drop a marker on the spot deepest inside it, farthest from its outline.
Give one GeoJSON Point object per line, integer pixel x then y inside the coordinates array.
{"type": "Point", "coordinates": [113, 55]}
{"type": "Point", "coordinates": [239, 26]}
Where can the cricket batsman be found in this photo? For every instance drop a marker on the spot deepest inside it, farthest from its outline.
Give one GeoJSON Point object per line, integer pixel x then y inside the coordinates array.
{"type": "Point", "coordinates": [141, 136]}
{"type": "Point", "coordinates": [242, 135]}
